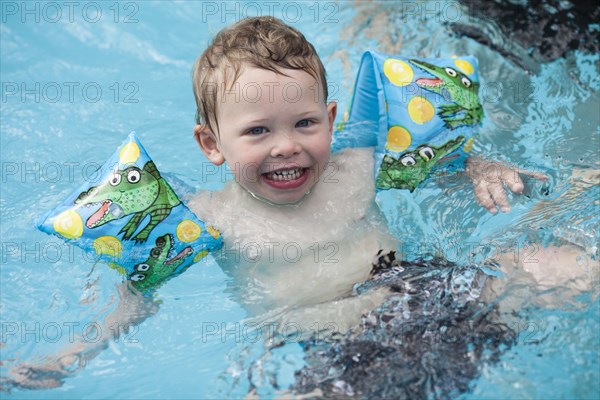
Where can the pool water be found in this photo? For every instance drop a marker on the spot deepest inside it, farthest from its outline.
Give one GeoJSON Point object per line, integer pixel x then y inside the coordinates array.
{"type": "Point", "coordinates": [77, 78]}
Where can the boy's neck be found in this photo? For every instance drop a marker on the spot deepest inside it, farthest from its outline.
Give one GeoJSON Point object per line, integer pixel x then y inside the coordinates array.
{"type": "Point", "coordinates": [266, 201]}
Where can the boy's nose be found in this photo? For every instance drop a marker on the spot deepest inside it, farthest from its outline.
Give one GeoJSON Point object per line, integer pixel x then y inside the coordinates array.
{"type": "Point", "coordinates": [285, 146]}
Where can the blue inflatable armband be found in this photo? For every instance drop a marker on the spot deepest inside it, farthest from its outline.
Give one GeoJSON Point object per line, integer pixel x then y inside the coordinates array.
{"type": "Point", "coordinates": [425, 113]}
{"type": "Point", "coordinates": [131, 218]}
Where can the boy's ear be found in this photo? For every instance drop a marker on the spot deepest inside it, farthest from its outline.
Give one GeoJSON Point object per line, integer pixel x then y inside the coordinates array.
{"type": "Point", "coordinates": [331, 113]}
{"type": "Point", "coordinates": [207, 141]}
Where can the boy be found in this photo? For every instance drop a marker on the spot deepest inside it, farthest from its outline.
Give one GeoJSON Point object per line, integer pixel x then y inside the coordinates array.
{"type": "Point", "coordinates": [300, 229]}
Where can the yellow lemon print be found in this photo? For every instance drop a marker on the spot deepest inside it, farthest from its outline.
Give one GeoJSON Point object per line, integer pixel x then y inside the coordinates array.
{"type": "Point", "coordinates": [200, 255]}
{"type": "Point", "coordinates": [398, 139]}
{"type": "Point", "coordinates": [420, 110]}
{"type": "Point", "coordinates": [188, 231]}
{"type": "Point", "coordinates": [129, 153]}
{"type": "Point", "coordinates": [68, 224]}
{"type": "Point", "coordinates": [108, 245]}
{"type": "Point", "coordinates": [398, 72]}
{"type": "Point", "coordinates": [464, 66]}
{"type": "Point", "coordinates": [213, 232]}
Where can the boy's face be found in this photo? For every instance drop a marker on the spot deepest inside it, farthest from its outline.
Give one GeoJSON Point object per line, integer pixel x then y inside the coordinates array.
{"type": "Point", "coordinates": [274, 132]}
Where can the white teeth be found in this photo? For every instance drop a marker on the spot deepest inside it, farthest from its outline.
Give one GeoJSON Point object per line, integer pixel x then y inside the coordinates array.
{"type": "Point", "coordinates": [285, 175]}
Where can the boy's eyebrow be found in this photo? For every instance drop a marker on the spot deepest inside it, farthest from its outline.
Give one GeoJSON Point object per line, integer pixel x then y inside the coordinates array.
{"type": "Point", "coordinates": [255, 121]}
{"type": "Point", "coordinates": [306, 113]}
{"type": "Point", "coordinates": [264, 120]}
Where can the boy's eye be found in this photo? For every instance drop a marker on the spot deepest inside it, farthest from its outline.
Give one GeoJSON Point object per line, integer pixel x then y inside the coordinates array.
{"type": "Point", "coordinates": [303, 123]}
{"type": "Point", "coordinates": [257, 131]}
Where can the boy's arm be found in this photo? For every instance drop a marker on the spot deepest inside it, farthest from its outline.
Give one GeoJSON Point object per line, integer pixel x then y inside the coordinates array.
{"type": "Point", "coordinates": [133, 308]}
{"type": "Point", "coordinates": [489, 179]}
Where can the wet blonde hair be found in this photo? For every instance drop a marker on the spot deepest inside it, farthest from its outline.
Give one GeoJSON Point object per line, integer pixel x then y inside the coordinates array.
{"type": "Point", "coordinates": [263, 42]}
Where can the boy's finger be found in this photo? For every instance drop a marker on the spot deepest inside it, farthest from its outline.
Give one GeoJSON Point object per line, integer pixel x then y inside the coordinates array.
{"type": "Point", "coordinates": [498, 195]}
{"type": "Point", "coordinates": [484, 198]}
{"type": "Point", "coordinates": [515, 183]}
{"type": "Point", "coordinates": [510, 174]}
{"type": "Point", "coordinates": [537, 175]}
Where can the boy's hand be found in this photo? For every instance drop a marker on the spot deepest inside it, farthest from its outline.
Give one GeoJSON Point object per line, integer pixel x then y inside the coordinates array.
{"type": "Point", "coordinates": [489, 179]}
{"type": "Point", "coordinates": [37, 376]}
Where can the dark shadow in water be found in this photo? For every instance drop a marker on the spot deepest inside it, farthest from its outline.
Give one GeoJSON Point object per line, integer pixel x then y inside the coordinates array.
{"type": "Point", "coordinates": [429, 339]}
{"type": "Point", "coordinates": [545, 29]}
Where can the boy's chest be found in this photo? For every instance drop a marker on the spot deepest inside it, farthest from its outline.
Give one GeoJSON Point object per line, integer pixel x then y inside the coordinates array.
{"type": "Point", "coordinates": [299, 254]}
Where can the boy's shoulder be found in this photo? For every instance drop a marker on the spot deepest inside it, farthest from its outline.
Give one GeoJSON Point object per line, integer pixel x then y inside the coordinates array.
{"type": "Point", "coordinates": [352, 167]}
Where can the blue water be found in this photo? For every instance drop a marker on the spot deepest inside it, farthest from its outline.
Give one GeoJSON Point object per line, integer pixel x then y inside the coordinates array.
{"type": "Point", "coordinates": [74, 84]}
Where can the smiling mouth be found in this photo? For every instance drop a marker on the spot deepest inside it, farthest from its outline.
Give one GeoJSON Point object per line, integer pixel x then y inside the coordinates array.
{"type": "Point", "coordinates": [285, 175]}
